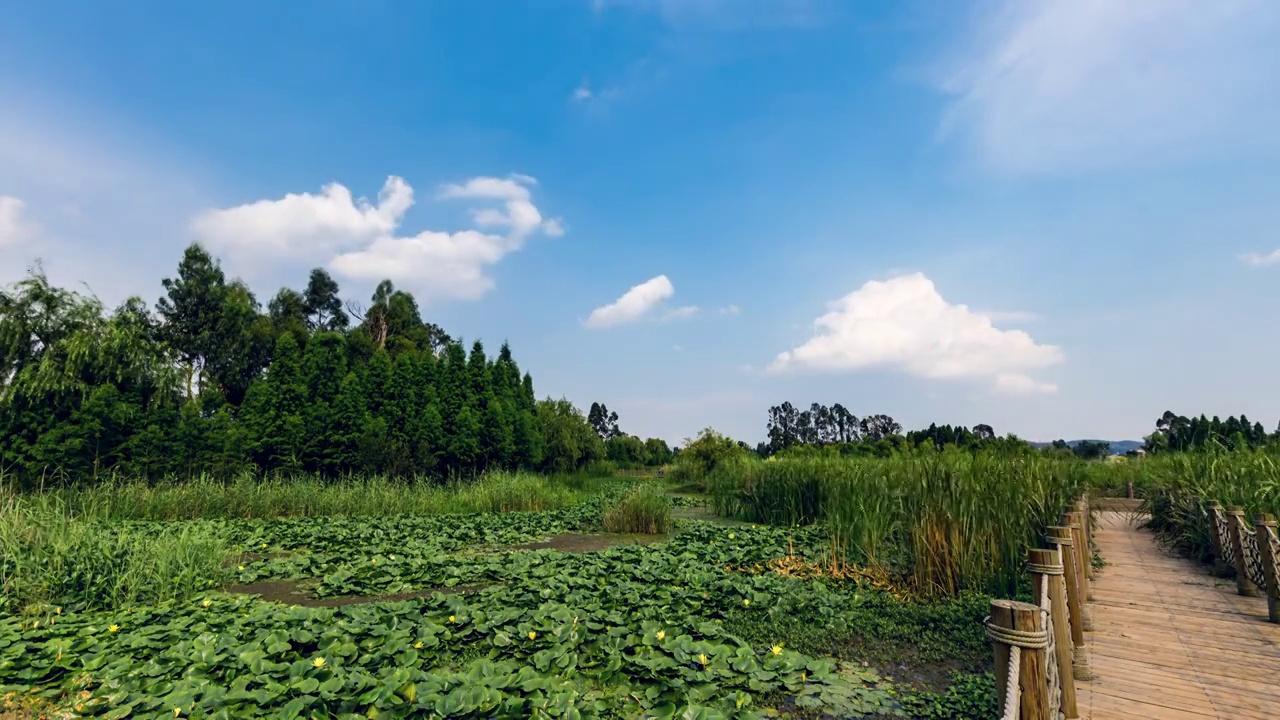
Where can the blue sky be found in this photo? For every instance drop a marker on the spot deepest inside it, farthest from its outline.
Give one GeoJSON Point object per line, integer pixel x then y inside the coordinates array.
{"type": "Point", "coordinates": [1057, 218]}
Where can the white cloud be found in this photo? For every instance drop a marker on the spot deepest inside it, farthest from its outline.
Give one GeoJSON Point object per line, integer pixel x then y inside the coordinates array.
{"type": "Point", "coordinates": [1260, 260]}
{"type": "Point", "coordinates": [303, 225]}
{"type": "Point", "coordinates": [730, 310]}
{"type": "Point", "coordinates": [1017, 384]}
{"type": "Point", "coordinates": [1050, 86]}
{"type": "Point", "coordinates": [903, 323]}
{"type": "Point", "coordinates": [358, 238]}
{"type": "Point", "coordinates": [582, 92]}
{"type": "Point", "coordinates": [14, 225]}
{"type": "Point", "coordinates": [1008, 316]}
{"type": "Point", "coordinates": [633, 305]}
{"type": "Point", "coordinates": [682, 313]}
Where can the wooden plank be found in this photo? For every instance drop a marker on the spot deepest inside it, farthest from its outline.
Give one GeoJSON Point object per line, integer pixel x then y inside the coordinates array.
{"type": "Point", "coordinates": [1171, 642]}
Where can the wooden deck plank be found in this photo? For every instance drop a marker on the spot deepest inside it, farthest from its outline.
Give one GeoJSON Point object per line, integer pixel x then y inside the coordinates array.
{"type": "Point", "coordinates": [1171, 642]}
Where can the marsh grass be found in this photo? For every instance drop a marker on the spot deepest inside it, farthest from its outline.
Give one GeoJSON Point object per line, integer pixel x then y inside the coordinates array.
{"type": "Point", "coordinates": [50, 555]}
{"type": "Point", "coordinates": [952, 521]}
{"type": "Point", "coordinates": [1179, 483]}
{"type": "Point", "coordinates": [249, 496]}
{"type": "Point", "coordinates": [646, 510]}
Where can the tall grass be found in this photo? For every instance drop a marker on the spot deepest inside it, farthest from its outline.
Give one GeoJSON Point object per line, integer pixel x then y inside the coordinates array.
{"type": "Point", "coordinates": [249, 496]}
{"type": "Point", "coordinates": [50, 555]}
{"type": "Point", "coordinates": [646, 510]}
{"type": "Point", "coordinates": [1179, 484]}
{"type": "Point", "coordinates": [952, 521]}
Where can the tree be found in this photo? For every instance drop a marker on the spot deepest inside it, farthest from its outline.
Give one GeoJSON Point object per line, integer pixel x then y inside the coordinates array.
{"type": "Point", "coordinates": [604, 422]}
{"type": "Point", "coordinates": [323, 306]}
{"type": "Point", "coordinates": [569, 441]}
{"type": "Point", "coordinates": [192, 308]}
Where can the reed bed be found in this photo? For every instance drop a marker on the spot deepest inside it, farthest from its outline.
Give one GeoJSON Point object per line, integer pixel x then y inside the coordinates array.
{"type": "Point", "coordinates": [950, 521]}
{"type": "Point", "coordinates": [646, 510]}
{"type": "Point", "coordinates": [1179, 483]}
{"type": "Point", "coordinates": [250, 496]}
{"type": "Point", "coordinates": [49, 552]}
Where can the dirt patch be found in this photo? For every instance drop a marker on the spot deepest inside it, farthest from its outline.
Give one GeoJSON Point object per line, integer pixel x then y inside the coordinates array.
{"type": "Point", "coordinates": [575, 543]}
{"type": "Point", "coordinates": [296, 592]}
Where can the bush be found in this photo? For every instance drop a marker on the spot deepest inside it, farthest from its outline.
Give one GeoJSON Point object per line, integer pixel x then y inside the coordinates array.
{"type": "Point", "coordinates": [645, 511]}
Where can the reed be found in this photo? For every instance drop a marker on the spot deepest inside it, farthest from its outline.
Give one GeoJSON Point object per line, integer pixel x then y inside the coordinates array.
{"type": "Point", "coordinates": [645, 510]}
{"type": "Point", "coordinates": [951, 521]}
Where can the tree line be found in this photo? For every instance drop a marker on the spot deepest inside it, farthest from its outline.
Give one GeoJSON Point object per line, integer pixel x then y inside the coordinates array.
{"type": "Point", "coordinates": [211, 382]}
{"type": "Point", "coordinates": [1178, 433]}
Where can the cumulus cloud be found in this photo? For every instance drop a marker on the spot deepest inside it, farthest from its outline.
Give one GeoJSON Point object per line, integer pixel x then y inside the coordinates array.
{"type": "Point", "coordinates": [359, 239]}
{"type": "Point", "coordinates": [1260, 260]}
{"type": "Point", "coordinates": [905, 324]}
{"type": "Point", "coordinates": [1052, 86]}
{"type": "Point", "coordinates": [730, 310]}
{"type": "Point", "coordinates": [14, 225]}
{"type": "Point", "coordinates": [635, 304]}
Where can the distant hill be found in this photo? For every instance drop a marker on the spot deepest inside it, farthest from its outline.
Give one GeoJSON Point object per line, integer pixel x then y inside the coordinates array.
{"type": "Point", "coordinates": [1119, 447]}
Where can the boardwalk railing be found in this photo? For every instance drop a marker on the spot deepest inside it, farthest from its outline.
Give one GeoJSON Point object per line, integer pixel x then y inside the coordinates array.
{"type": "Point", "coordinates": [1039, 647]}
{"type": "Point", "coordinates": [1252, 554]}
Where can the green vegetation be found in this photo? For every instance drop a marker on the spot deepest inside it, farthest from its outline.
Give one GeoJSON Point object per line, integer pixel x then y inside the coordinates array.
{"type": "Point", "coordinates": [647, 511]}
{"type": "Point", "coordinates": [212, 384]}
{"type": "Point", "coordinates": [950, 521]}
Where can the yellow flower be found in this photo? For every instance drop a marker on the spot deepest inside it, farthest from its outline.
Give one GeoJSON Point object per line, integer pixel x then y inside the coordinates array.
{"type": "Point", "coordinates": [113, 628]}
{"type": "Point", "coordinates": [241, 567]}
{"type": "Point", "coordinates": [730, 536]}
{"type": "Point", "coordinates": [206, 603]}
{"type": "Point", "coordinates": [453, 618]}
{"type": "Point", "coordinates": [373, 560]}
{"type": "Point", "coordinates": [746, 602]}
{"type": "Point", "coordinates": [417, 645]}
{"type": "Point", "coordinates": [702, 659]}
{"type": "Point", "coordinates": [264, 546]}
{"type": "Point", "coordinates": [393, 557]}
{"type": "Point", "coordinates": [533, 635]}
{"type": "Point", "coordinates": [662, 634]}
{"type": "Point", "coordinates": [705, 596]}
{"type": "Point", "coordinates": [777, 649]}
{"type": "Point", "coordinates": [804, 677]}
{"type": "Point", "coordinates": [57, 611]}
{"type": "Point", "coordinates": [177, 712]}
{"type": "Point", "coordinates": [318, 662]}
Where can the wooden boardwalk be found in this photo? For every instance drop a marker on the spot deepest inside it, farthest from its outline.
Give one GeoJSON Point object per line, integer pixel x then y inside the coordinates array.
{"type": "Point", "coordinates": [1172, 642]}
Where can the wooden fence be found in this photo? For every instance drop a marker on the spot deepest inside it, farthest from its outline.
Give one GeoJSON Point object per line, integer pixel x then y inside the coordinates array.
{"type": "Point", "coordinates": [1251, 554]}
{"type": "Point", "coordinates": [1040, 646]}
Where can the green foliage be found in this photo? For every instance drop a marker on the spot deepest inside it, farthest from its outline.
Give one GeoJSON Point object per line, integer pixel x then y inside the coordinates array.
{"type": "Point", "coordinates": [568, 440]}
{"type": "Point", "coordinates": [970, 696]}
{"type": "Point", "coordinates": [1178, 485]}
{"type": "Point", "coordinates": [952, 520]}
{"type": "Point", "coordinates": [212, 384]}
{"type": "Point", "coordinates": [567, 632]}
{"type": "Point", "coordinates": [647, 510]}
{"type": "Point", "coordinates": [48, 556]}
{"type": "Point", "coordinates": [700, 456]}
{"type": "Point", "coordinates": [248, 496]}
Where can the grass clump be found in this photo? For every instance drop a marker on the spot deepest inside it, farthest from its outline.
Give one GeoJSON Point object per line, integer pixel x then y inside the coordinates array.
{"type": "Point", "coordinates": [645, 511]}
{"type": "Point", "coordinates": [516, 492]}
{"type": "Point", "coordinates": [48, 556]}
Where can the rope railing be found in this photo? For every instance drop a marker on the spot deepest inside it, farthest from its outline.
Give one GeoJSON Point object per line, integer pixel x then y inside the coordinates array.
{"type": "Point", "coordinates": [1039, 646]}
{"type": "Point", "coordinates": [1252, 554]}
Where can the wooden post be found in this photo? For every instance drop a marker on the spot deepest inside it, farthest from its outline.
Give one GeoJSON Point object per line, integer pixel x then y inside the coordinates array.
{"type": "Point", "coordinates": [1244, 585]}
{"type": "Point", "coordinates": [1084, 558]}
{"type": "Point", "coordinates": [1129, 489]}
{"type": "Point", "coordinates": [1220, 568]}
{"type": "Point", "coordinates": [1086, 526]}
{"type": "Point", "coordinates": [1061, 537]}
{"type": "Point", "coordinates": [1033, 681]}
{"type": "Point", "coordinates": [1266, 527]}
{"type": "Point", "coordinates": [1047, 564]}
